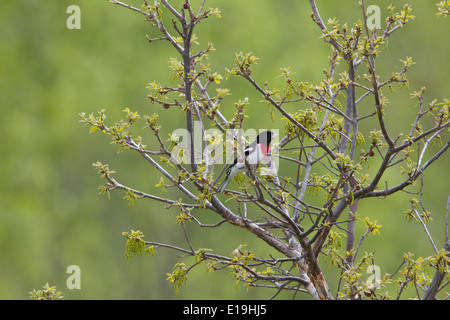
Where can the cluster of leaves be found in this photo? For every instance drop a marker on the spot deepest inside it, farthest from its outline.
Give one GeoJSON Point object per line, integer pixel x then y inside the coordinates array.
{"type": "Point", "coordinates": [136, 245]}
{"type": "Point", "coordinates": [443, 8]}
{"type": "Point", "coordinates": [47, 293]}
{"type": "Point", "coordinates": [178, 277]}
{"type": "Point", "coordinates": [419, 272]}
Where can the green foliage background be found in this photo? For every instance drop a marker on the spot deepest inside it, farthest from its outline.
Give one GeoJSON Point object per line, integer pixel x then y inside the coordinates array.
{"type": "Point", "coordinates": [51, 215]}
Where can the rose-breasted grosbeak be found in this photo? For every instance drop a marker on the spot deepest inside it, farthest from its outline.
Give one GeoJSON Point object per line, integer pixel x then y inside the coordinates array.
{"type": "Point", "coordinates": [254, 154]}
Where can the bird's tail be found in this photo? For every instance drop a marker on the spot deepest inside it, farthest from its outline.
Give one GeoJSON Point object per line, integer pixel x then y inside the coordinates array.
{"type": "Point", "coordinates": [224, 184]}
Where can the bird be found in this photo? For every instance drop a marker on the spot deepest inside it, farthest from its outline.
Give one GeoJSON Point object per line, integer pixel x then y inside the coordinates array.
{"type": "Point", "coordinates": [254, 154]}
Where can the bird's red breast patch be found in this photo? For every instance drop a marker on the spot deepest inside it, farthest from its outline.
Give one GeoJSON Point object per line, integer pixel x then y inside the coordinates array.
{"type": "Point", "coordinates": [264, 150]}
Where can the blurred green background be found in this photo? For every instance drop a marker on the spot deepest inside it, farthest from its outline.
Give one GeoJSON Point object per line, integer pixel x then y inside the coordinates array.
{"type": "Point", "coordinates": [51, 215]}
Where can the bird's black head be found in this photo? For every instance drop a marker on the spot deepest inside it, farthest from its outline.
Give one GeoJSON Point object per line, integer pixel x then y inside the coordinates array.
{"type": "Point", "coordinates": [265, 137]}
